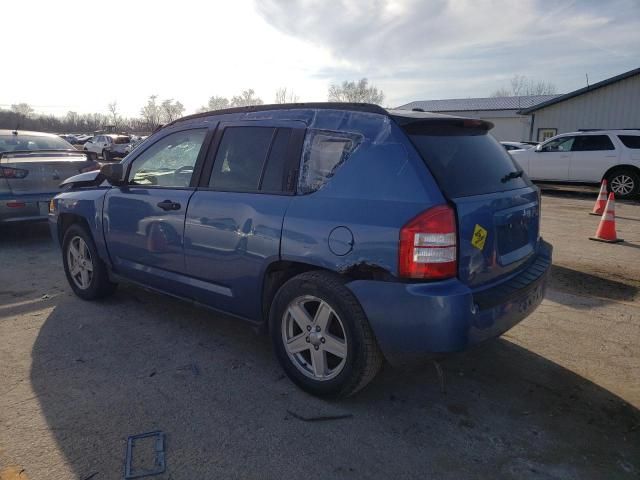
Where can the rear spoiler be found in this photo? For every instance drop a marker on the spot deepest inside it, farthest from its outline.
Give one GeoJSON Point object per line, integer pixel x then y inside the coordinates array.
{"type": "Point", "coordinates": [49, 152]}
{"type": "Point", "coordinates": [442, 121]}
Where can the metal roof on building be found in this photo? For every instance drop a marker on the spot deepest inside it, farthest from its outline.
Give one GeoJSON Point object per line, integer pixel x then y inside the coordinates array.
{"type": "Point", "coordinates": [580, 91]}
{"type": "Point", "coordinates": [474, 104]}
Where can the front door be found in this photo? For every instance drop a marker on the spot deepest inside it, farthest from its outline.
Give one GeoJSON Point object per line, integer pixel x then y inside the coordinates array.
{"type": "Point", "coordinates": [234, 221]}
{"type": "Point", "coordinates": [551, 161]}
{"type": "Point", "coordinates": [144, 220]}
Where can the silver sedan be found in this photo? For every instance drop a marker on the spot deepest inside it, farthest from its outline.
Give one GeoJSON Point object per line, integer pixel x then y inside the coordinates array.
{"type": "Point", "coordinates": [32, 166]}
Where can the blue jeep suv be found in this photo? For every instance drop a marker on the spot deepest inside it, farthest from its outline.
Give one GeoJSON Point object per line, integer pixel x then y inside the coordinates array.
{"type": "Point", "coordinates": [351, 233]}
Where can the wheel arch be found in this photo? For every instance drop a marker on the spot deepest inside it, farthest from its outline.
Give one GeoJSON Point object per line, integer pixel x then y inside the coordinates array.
{"type": "Point", "coordinates": [280, 271]}
{"type": "Point", "coordinates": [622, 166]}
{"type": "Point", "coordinates": [66, 220]}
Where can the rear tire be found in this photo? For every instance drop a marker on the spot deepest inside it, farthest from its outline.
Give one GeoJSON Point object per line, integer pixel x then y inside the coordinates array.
{"type": "Point", "coordinates": [86, 272]}
{"type": "Point", "coordinates": [321, 336]}
{"type": "Point", "coordinates": [624, 183]}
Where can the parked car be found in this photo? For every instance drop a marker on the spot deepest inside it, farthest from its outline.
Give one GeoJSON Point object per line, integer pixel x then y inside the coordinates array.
{"type": "Point", "coordinates": [587, 157]}
{"type": "Point", "coordinates": [32, 166]}
{"type": "Point", "coordinates": [351, 233]}
{"type": "Point", "coordinates": [508, 146]}
{"type": "Point", "coordinates": [110, 146]}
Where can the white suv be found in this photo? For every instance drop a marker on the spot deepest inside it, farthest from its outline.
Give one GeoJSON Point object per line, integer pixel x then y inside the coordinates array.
{"type": "Point", "coordinates": [587, 157]}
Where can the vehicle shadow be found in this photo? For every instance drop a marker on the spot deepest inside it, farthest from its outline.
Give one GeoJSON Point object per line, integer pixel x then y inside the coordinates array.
{"type": "Point", "coordinates": [140, 362]}
{"type": "Point", "coordinates": [569, 280]}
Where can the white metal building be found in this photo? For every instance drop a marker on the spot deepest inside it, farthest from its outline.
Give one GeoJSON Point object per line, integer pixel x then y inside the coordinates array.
{"type": "Point", "coordinates": [501, 111]}
{"type": "Point", "coordinates": [611, 104]}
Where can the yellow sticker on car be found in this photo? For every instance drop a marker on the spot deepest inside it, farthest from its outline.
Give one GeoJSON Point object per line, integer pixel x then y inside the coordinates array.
{"type": "Point", "coordinates": [479, 237]}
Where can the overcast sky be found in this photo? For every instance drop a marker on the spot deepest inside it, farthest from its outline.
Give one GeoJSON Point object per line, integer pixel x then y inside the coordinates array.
{"type": "Point", "coordinates": [78, 55]}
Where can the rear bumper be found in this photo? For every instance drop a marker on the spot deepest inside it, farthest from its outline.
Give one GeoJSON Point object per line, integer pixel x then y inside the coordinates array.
{"type": "Point", "coordinates": [413, 322]}
{"type": "Point", "coordinates": [35, 208]}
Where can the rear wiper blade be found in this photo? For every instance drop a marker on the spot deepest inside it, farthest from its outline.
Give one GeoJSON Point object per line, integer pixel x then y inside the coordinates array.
{"type": "Point", "coordinates": [509, 176]}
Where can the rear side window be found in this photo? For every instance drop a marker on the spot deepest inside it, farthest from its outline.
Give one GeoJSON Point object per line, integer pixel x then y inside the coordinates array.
{"type": "Point", "coordinates": [255, 159]}
{"type": "Point", "coordinates": [465, 161]}
{"type": "Point", "coordinates": [592, 143]}
{"type": "Point", "coordinates": [324, 152]}
{"type": "Point", "coordinates": [630, 141]}
{"type": "Point", "coordinates": [121, 140]}
{"type": "Point", "coordinates": [240, 157]}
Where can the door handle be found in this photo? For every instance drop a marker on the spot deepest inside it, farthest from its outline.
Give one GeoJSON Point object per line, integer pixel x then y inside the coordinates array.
{"type": "Point", "coordinates": [169, 205]}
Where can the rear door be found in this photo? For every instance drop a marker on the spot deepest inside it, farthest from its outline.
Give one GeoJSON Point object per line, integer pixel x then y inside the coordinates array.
{"type": "Point", "coordinates": [497, 207]}
{"type": "Point", "coordinates": [234, 221]}
{"type": "Point", "coordinates": [144, 219]}
{"type": "Point", "coordinates": [591, 157]}
{"type": "Point", "coordinates": [552, 160]}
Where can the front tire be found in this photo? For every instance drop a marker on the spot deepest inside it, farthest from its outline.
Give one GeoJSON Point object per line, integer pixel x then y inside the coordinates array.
{"type": "Point", "coordinates": [624, 183]}
{"type": "Point", "coordinates": [321, 336]}
{"type": "Point", "coordinates": [105, 156]}
{"type": "Point", "coordinates": [86, 273]}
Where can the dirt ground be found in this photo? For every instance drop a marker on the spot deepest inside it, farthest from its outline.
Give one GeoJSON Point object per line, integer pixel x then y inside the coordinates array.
{"type": "Point", "coordinates": [557, 397]}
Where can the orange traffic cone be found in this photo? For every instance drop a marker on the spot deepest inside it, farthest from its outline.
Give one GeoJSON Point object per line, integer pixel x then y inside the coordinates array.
{"type": "Point", "coordinates": [607, 229]}
{"type": "Point", "coordinates": [601, 202]}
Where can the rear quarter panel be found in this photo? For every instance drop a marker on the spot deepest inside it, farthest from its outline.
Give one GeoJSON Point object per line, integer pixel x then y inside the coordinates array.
{"type": "Point", "coordinates": [381, 186]}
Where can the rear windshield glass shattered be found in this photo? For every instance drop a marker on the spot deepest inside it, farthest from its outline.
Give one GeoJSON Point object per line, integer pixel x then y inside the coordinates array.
{"type": "Point", "coordinates": [324, 152]}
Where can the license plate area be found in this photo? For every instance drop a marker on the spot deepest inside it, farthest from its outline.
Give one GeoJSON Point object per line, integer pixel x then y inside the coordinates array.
{"type": "Point", "coordinates": [516, 232]}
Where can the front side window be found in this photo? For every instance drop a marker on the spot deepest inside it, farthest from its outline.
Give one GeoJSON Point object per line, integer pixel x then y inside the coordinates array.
{"type": "Point", "coordinates": [324, 152]}
{"type": "Point", "coordinates": [563, 144]}
{"type": "Point", "coordinates": [170, 161]}
{"type": "Point", "coordinates": [592, 143]}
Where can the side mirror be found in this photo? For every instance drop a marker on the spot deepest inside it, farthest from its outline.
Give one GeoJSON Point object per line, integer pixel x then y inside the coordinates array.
{"type": "Point", "coordinates": [113, 173]}
{"type": "Point", "coordinates": [538, 148]}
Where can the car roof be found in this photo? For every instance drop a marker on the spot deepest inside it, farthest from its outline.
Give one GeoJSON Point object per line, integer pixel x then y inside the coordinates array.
{"type": "Point", "coordinates": [26, 132]}
{"type": "Point", "coordinates": [403, 116]}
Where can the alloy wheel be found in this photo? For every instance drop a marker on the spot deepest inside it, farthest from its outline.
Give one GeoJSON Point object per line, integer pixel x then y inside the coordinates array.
{"type": "Point", "coordinates": [314, 338]}
{"type": "Point", "coordinates": [79, 262]}
{"type": "Point", "coordinates": [622, 184]}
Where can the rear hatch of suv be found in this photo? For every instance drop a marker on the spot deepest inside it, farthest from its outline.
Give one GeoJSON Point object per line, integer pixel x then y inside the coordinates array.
{"type": "Point", "coordinates": [497, 207]}
{"type": "Point", "coordinates": [40, 172]}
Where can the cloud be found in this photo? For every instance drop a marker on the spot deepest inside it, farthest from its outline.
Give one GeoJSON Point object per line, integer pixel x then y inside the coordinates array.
{"type": "Point", "coordinates": [464, 45]}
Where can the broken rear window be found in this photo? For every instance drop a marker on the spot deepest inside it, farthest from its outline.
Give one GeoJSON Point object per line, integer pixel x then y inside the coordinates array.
{"type": "Point", "coordinates": [324, 152]}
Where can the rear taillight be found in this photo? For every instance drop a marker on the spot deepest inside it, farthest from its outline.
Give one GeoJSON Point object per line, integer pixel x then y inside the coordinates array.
{"type": "Point", "coordinates": [8, 172]}
{"type": "Point", "coordinates": [428, 245]}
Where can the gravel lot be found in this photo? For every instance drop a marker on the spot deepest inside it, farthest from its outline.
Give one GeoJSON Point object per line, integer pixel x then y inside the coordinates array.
{"type": "Point", "coordinates": [558, 397]}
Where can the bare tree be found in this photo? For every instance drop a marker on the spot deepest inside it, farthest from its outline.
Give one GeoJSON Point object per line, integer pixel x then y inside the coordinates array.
{"type": "Point", "coordinates": [286, 96]}
{"type": "Point", "coordinates": [502, 92]}
{"type": "Point", "coordinates": [113, 112]}
{"type": "Point", "coordinates": [73, 120]}
{"type": "Point", "coordinates": [358, 92]}
{"type": "Point", "coordinates": [22, 109]}
{"type": "Point", "coordinates": [245, 99]}
{"type": "Point", "coordinates": [215, 103]}
{"type": "Point", "coordinates": [522, 85]}
{"type": "Point", "coordinates": [171, 110]}
{"type": "Point", "coordinates": [151, 113]}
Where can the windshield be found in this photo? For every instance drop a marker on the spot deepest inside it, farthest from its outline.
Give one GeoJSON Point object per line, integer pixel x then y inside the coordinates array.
{"type": "Point", "coordinates": [12, 143]}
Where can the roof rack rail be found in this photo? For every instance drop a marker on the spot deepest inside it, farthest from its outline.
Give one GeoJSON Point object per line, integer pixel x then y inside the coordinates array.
{"type": "Point", "coordinates": [361, 107]}
{"type": "Point", "coordinates": [604, 129]}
